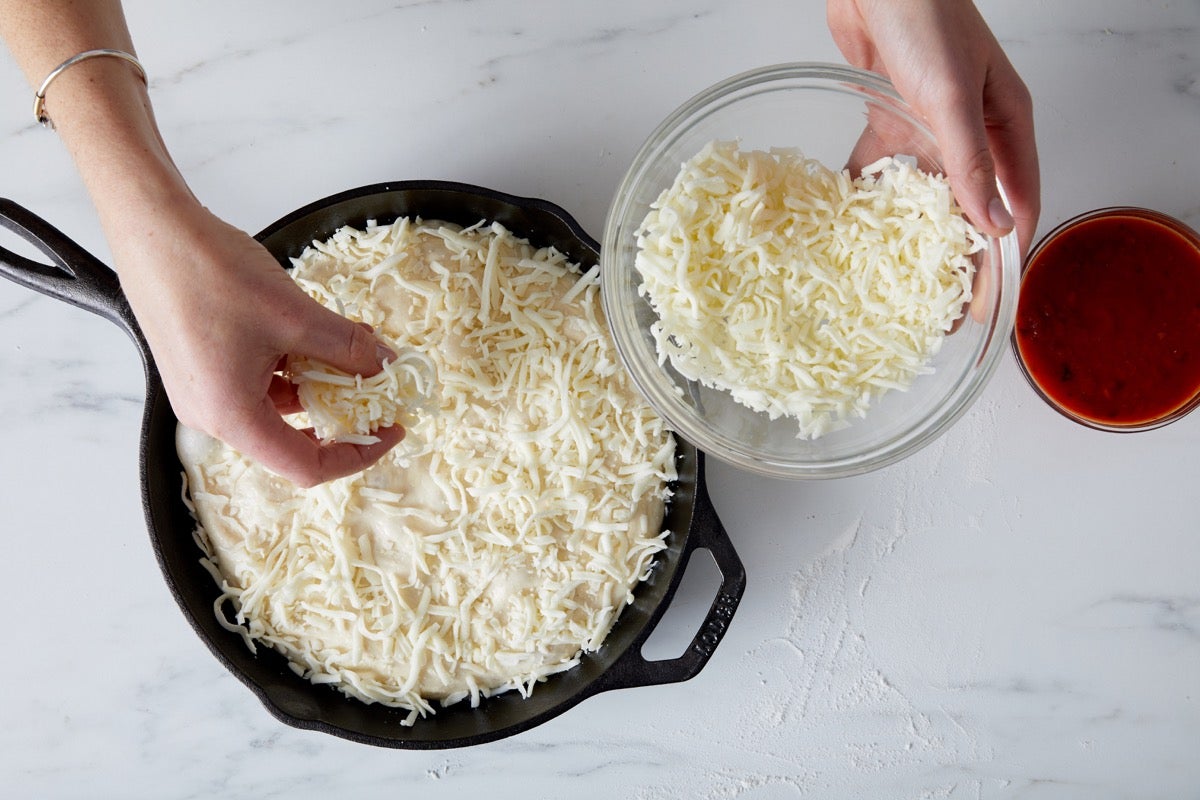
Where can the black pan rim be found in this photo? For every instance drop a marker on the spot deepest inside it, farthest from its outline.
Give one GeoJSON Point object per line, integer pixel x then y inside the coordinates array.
{"type": "Point", "coordinates": [77, 277]}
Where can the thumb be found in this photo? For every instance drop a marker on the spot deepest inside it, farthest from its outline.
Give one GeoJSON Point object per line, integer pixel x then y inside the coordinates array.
{"type": "Point", "coordinates": [971, 168]}
{"type": "Point", "coordinates": [349, 346]}
{"type": "Point", "coordinates": [298, 456]}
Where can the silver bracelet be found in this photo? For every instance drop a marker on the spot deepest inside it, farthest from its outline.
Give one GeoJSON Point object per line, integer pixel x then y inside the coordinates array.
{"type": "Point", "coordinates": [39, 98]}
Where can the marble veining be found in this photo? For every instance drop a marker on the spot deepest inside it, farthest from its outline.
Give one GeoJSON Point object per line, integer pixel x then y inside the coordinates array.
{"type": "Point", "coordinates": [1014, 612]}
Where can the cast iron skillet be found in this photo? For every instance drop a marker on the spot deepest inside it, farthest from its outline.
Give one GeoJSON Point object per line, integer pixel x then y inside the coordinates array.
{"type": "Point", "coordinates": [77, 277]}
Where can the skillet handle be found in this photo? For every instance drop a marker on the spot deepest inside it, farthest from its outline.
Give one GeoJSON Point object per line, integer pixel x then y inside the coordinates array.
{"type": "Point", "coordinates": [74, 275]}
{"type": "Point", "coordinates": [707, 533]}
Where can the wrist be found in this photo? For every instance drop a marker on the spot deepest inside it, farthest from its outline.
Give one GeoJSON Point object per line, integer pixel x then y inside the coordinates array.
{"type": "Point", "coordinates": [101, 110]}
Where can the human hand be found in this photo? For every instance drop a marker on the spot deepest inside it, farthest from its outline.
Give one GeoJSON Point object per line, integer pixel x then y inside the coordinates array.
{"type": "Point", "coordinates": [220, 316]}
{"type": "Point", "coordinates": [946, 63]}
{"type": "Point", "coordinates": [218, 312]}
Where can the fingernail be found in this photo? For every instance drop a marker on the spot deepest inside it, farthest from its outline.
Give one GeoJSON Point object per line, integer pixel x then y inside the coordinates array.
{"type": "Point", "coordinates": [384, 353]}
{"type": "Point", "coordinates": [999, 215]}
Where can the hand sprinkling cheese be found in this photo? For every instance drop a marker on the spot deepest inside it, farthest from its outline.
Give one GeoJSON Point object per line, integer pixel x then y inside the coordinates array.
{"type": "Point", "coordinates": [802, 291]}
{"type": "Point", "coordinates": [503, 540]}
{"type": "Point", "coordinates": [349, 408]}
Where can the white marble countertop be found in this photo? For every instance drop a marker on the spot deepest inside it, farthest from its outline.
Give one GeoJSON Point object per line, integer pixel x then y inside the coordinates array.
{"type": "Point", "coordinates": [1012, 613]}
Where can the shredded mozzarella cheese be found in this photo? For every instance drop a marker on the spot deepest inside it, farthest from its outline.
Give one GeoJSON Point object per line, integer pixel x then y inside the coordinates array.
{"type": "Point", "coordinates": [504, 546]}
{"type": "Point", "coordinates": [802, 291]}
{"type": "Point", "coordinates": [348, 408]}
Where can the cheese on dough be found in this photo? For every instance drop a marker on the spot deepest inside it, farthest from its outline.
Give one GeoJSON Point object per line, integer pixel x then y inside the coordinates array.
{"type": "Point", "coordinates": [802, 291]}
{"type": "Point", "coordinates": [507, 542]}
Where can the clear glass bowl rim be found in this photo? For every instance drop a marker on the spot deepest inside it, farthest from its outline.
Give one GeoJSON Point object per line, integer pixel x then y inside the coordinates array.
{"type": "Point", "coordinates": [965, 390]}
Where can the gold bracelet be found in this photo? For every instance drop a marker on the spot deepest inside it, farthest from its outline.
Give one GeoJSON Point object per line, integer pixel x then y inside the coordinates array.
{"type": "Point", "coordinates": [39, 98]}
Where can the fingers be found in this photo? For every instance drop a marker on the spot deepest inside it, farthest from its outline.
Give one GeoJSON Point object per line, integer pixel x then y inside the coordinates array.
{"type": "Point", "coordinates": [313, 331]}
{"type": "Point", "coordinates": [284, 396]}
{"type": "Point", "coordinates": [329, 337]}
{"type": "Point", "coordinates": [948, 65]}
{"type": "Point", "coordinates": [959, 127]}
{"type": "Point", "coordinates": [220, 332]}
{"type": "Point", "coordinates": [1014, 146]}
{"type": "Point", "coordinates": [982, 302]}
{"type": "Point", "coordinates": [976, 149]}
{"type": "Point", "coordinates": [298, 456]}
{"type": "Point", "coordinates": [846, 23]}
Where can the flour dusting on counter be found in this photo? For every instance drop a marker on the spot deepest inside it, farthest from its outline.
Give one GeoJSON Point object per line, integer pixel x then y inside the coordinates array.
{"type": "Point", "coordinates": [831, 678]}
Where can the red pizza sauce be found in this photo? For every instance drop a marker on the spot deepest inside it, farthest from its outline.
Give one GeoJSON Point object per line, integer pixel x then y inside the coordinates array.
{"type": "Point", "coordinates": [1108, 320]}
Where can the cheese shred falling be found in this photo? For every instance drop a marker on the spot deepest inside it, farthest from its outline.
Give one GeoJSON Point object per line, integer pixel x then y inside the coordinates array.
{"type": "Point", "coordinates": [507, 543]}
{"type": "Point", "coordinates": [802, 291]}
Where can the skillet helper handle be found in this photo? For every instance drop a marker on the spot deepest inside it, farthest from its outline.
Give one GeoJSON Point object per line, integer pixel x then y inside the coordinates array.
{"type": "Point", "coordinates": [707, 533]}
{"type": "Point", "coordinates": [74, 275]}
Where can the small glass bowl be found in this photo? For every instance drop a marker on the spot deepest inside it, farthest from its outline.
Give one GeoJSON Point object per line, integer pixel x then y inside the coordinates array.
{"type": "Point", "coordinates": [838, 115]}
{"type": "Point", "coordinates": [1163, 228]}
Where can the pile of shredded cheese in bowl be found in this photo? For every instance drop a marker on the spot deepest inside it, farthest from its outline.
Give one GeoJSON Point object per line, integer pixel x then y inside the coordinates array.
{"type": "Point", "coordinates": [802, 291]}
{"type": "Point", "coordinates": [500, 546]}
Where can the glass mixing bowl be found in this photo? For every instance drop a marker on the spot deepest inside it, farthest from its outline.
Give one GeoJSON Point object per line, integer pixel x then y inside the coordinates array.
{"type": "Point", "coordinates": [840, 116]}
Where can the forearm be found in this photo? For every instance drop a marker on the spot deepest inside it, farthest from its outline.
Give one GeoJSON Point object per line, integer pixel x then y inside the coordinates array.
{"type": "Point", "coordinates": [219, 313]}
{"type": "Point", "coordinates": [100, 107]}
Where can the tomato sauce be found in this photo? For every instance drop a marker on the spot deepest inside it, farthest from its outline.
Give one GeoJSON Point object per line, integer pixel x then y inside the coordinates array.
{"type": "Point", "coordinates": [1108, 320]}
